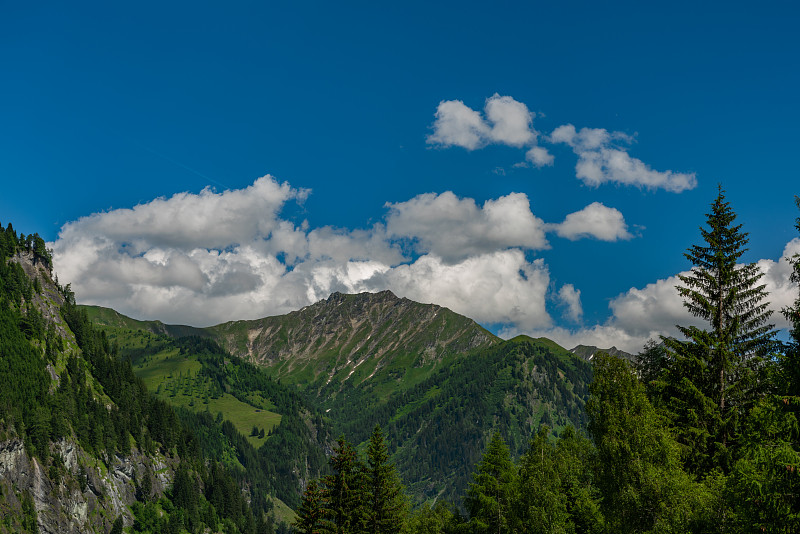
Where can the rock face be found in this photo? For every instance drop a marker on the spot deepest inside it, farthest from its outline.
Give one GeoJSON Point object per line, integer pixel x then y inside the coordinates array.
{"type": "Point", "coordinates": [86, 495]}
{"type": "Point", "coordinates": [76, 492]}
{"type": "Point", "coordinates": [587, 352]}
{"type": "Point", "coordinates": [344, 332]}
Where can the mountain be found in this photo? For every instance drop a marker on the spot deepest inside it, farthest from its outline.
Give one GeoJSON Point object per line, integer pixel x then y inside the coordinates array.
{"type": "Point", "coordinates": [83, 446]}
{"type": "Point", "coordinates": [351, 339]}
{"type": "Point", "coordinates": [587, 352]}
{"type": "Point", "coordinates": [437, 382]}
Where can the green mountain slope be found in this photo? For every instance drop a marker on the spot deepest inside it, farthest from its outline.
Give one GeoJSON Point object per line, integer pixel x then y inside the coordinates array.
{"type": "Point", "coordinates": [351, 339]}
{"type": "Point", "coordinates": [107, 317]}
{"type": "Point", "coordinates": [436, 381]}
{"type": "Point", "coordinates": [440, 427]}
{"type": "Point", "coordinates": [274, 438]}
{"type": "Point", "coordinates": [83, 446]}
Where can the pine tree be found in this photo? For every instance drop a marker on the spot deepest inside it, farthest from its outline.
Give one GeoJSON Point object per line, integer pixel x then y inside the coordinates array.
{"type": "Point", "coordinates": [387, 504]}
{"type": "Point", "coordinates": [344, 490]}
{"type": "Point", "coordinates": [312, 514]}
{"type": "Point", "coordinates": [490, 495]}
{"type": "Point", "coordinates": [712, 376]}
{"type": "Point", "coordinates": [765, 483]}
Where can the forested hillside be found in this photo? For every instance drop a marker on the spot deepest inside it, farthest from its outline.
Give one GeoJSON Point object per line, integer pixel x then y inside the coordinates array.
{"type": "Point", "coordinates": [437, 382]}
{"type": "Point", "coordinates": [267, 433]}
{"type": "Point", "coordinates": [83, 446]}
{"type": "Point", "coordinates": [700, 435]}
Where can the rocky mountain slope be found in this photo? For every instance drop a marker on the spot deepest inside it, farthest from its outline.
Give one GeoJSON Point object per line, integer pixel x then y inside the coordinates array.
{"type": "Point", "coordinates": [59, 485]}
{"type": "Point", "coordinates": [354, 339]}
{"type": "Point", "coordinates": [436, 381]}
{"type": "Point", "coordinates": [83, 446]}
{"type": "Point", "coordinates": [587, 352]}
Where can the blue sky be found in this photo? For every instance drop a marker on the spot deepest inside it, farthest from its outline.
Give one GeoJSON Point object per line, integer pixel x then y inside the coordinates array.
{"type": "Point", "coordinates": [360, 111]}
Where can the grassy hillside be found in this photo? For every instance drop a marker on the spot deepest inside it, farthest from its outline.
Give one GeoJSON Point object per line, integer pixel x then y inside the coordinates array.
{"type": "Point", "coordinates": [353, 339]}
{"type": "Point", "coordinates": [269, 431]}
{"type": "Point", "coordinates": [437, 382]}
{"type": "Point", "coordinates": [441, 426]}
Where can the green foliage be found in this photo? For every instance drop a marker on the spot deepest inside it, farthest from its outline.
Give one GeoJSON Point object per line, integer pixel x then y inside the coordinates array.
{"type": "Point", "coordinates": [312, 514]}
{"type": "Point", "coordinates": [117, 527]}
{"type": "Point", "coordinates": [556, 486]}
{"type": "Point", "coordinates": [358, 496]}
{"type": "Point", "coordinates": [765, 482]}
{"type": "Point", "coordinates": [717, 374]}
{"type": "Point", "coordinates": [639, 475]}
{"type": "Point", "coordinates": [490, 495]}
{"type": "Point", "coordinates": [345, 490]}
{"type": "Point", "coordinates": [433, 519]}
{"type": "Point", "coordinates": [386, 500]}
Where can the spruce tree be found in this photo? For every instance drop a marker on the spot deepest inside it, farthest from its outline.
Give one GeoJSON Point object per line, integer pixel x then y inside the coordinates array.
{"type": "Point", "coordinates": [712, 375]}
{"type": "Point", "coordinates": [344, 490]}
{"type": "Point", "coordinates": [387, 504]}
{"type": "Point", "coordinates": [312, 514]}
{"type": "Point", "coordinates": [765, 483]}
{"type": "Point", "coordinates": [490, 496]}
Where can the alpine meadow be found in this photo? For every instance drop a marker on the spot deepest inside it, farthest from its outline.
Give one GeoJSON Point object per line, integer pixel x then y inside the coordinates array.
{"type": "Point", "coordinates": [399, 268]}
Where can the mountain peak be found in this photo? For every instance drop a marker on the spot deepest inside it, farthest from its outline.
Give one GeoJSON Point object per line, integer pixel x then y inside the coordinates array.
{"type": "Point", "coordinates": [353, 337]}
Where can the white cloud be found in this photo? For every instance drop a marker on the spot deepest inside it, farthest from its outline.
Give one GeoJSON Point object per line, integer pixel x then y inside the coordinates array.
{"type": "Point", "coordinates": [640, 314]}
{"type": "Point", "coordinates": [507, 122]}
{"type": "Point", "coordinates": [510, 120]}
{"type": "Point", "coordinates": [458, 125]}
{"type": "Point", "coordinates": [602, 155]}
{"type": "Point", "coordinates": [595, 220]}
{"type": "Point", "coordinates": [539, 156]}
{"type": "Point", "coordinates": [601, 161]}
{"type": "Point", "coordinates": [454, 228]}
{"type": "Point", "coordinates": [499, 287]}
{"type": "Point", "coordinates": [571, 298]}
{"type": "Point", "coordinates": [208, 257]}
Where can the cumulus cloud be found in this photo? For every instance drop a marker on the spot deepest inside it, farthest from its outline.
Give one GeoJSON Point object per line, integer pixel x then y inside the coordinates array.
{"type": "Point", "coordinates": [510, 120]}
{"type": "Point", "coordinates": [539, 157]}
{"type": "Point", "coordinates": [571, 298]}
{"type": "Point", "coordinates": [454, 228]}
{"type": "Point", "coordinates": [458, 125]}
{"type": "Point", "coordinates": [498, 287]}
{"type": "Point", "coordinates": [208, 257]}
{"type": "Point", "coordinates": [640, 314]}
{"type": "Point", "coordinates": [595, 220]}
{"type": "Point", "coordinates": [602, 159]}
{"type": "Point", "coordinates": [506, 122]}
{"type": "Point", "coordinates": [602, 155]}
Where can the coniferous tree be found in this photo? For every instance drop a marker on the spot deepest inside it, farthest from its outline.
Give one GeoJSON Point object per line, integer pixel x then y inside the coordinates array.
{"type": "Point", "coordinates": [312, 514]}
{"type": "Point", "coordinates": [713, 376]}
{"type": "Point", "coordinates": [765, 483]}
{"type": "Point", "coordinates": [344, 490]}
{"type": "Point", "coordinates": [387, 504]}
{"type": "Point", "coordinates": [490, 495]}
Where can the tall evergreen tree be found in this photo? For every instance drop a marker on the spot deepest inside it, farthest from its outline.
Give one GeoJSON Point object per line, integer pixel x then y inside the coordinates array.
{"type": "Point", "coordinates": [344, 490]}
{"type": "Point", "coordinates": [765, 482]}
{"type": "Point", "coordinates": [712, 376]}
{"type": "Point", "coordinates": [311, 516]}
{"type": "Point", "coordinates": [490, 495]}
{"type": "Point", "coordinates": [387, 504]}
